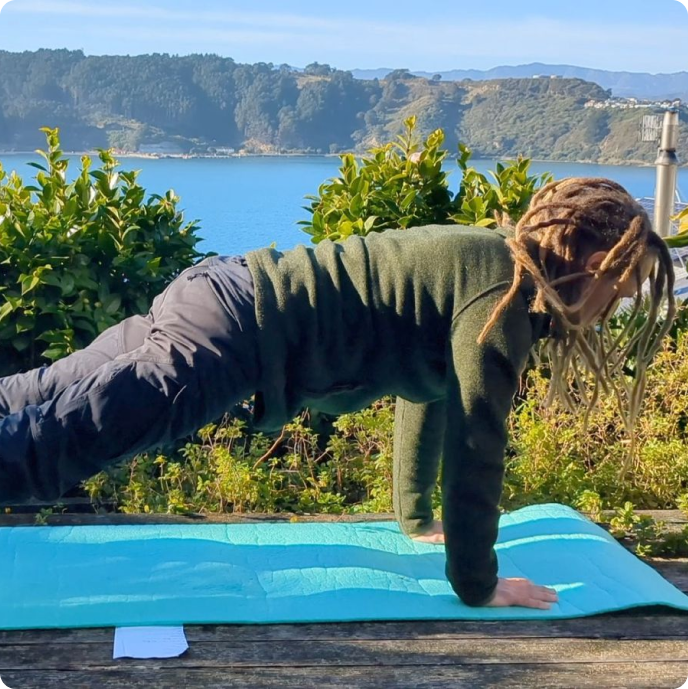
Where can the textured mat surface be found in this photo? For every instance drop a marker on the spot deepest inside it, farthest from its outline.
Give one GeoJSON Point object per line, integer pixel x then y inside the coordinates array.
{"type": "Point", "coordinates": [215, 573]}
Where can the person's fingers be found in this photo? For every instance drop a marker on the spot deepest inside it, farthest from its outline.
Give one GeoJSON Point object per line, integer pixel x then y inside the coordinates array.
{"type": "Point", "coordinates": [527, 584]}
{"type": "Point", "coordinates": [536, 603]}
{"type": "Point", "coordinates": [549, 595]}
{"type": "Point", "coordinates": [544, 593]}
{"type": "Point", "coordinates": [532, 596]}
{"type": "Point", "coordinates": [523, 593]}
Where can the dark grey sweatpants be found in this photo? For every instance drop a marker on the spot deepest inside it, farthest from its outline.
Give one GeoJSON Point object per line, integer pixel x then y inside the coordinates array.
{"type": "Point", "coordinates": [141, 384]}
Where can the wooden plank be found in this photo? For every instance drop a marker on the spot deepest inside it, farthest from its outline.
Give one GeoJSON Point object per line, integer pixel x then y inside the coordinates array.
{"type": "Point", "coordinates": [79, 505]}
{"type": "Point", "coordinates": [675, 571]}
{"type": "Point", "coordinates": [120, 519]}
{"type": "Point", "coordinates": [653, 675]}
{"type": "Point", "coordinates": [239, 653]}
{"type": "Point", "coordinates": [668, 516]}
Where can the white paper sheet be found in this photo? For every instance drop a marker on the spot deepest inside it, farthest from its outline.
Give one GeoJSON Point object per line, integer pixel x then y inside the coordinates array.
{"type": "Point", "coordinates": [149, 642]}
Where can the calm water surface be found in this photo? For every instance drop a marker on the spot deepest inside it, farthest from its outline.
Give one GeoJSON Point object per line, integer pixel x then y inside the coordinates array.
{"type": "Point", "coordinates": [248, 203]}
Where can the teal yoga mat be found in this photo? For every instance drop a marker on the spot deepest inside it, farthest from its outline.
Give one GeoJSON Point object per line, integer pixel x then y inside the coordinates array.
{"type": "Point", "coordinates": [269, 573]}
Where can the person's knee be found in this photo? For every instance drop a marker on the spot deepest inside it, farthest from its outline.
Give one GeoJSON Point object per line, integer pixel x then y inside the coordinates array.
{"type": "Point", "coordinates": [20, 390]}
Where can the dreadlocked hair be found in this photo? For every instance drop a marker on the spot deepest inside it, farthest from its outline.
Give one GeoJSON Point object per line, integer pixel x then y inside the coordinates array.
{"type": "Point", "coordinates": [567, 221]}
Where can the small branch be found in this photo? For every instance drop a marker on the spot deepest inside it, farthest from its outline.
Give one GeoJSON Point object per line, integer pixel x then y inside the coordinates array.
{"type": "Point", "coordinates": [268, 454]}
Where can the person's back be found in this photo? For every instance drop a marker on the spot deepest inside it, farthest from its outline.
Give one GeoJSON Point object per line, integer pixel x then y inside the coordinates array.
{"type": "Point", "coordinates": [345, 323]}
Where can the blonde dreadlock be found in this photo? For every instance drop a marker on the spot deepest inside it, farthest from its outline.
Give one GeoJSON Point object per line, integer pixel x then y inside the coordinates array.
{"type": "Point", "coordinates": [567, 222]}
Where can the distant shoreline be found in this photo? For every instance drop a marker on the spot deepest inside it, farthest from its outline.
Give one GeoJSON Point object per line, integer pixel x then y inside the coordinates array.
{"type": "Point", "coordinates": [185, 156]}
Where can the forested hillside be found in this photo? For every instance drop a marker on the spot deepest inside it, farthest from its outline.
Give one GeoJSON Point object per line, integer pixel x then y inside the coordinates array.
{"type": "Point", "coordinates": [202, 103]}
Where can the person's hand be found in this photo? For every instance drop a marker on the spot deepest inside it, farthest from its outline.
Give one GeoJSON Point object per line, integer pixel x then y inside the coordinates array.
{"type": "Point", "coordinates": [509, 592]}
{"type": "Point", "coordinates": [523, 593]}
{"type": "Point", "coordinates": [434, 534]}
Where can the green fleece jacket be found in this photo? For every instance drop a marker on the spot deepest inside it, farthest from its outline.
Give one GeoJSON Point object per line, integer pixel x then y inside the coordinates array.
{"type": "Point", "coordinates": [399, 313]}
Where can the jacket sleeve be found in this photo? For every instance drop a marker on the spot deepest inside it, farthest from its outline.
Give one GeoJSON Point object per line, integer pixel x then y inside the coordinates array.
{"type": "Point", "coordinates": [482, 381]}
{"type": "Point", "coordinates": [418, 441]}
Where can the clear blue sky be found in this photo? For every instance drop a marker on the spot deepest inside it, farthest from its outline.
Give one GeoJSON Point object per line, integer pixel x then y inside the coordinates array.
{"type": "Point", "coordinates": [634, 35]}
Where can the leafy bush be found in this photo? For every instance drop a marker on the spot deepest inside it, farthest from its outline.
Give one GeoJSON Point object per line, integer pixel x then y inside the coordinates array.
{"type": "Point", "coordinates": [231, 470]}
{"type": "Point", "coordinates": [404, 184]}
{"type": "Point", "coordinates": [649, 537]}
{"type": "Point", "coordinates": [397, 186]}
{"type": "Point", "coordinates": [555, 459]}
{"type": "Point", "coordinates": [490, 204]}
{"type": "Point", "coordinates": [79, 256]}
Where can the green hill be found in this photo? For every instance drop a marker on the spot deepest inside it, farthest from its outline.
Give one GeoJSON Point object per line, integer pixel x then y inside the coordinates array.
{"type": "Point", "coordinates": [201, 103]}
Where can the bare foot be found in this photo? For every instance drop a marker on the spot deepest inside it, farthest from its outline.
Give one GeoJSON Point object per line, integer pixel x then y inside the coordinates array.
{"type": "Point", "coordinates": [434, 534]}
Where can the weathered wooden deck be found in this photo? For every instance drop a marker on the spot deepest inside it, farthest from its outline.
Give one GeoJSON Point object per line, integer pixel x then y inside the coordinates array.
{"type": "Point", "coordinates": [647, 649]}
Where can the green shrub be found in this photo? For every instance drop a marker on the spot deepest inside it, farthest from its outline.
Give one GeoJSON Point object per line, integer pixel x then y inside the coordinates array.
{"type": "Point", "coordinates": [399, 185]}
{"type": "Point", "coordinates": [404, 184]}
{"type": "Point", "coordinates": [230, 470]}
{"type": "Point", "coordinates": [554, 458]}
{"type": "Point", "coordinates": [500, 202]}
{"type": "Point", "coordinates": [77, 257]}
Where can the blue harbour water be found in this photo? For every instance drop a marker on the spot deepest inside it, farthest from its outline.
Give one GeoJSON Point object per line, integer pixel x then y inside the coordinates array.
{"type": "Point", "coordinates": [248, 203]}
